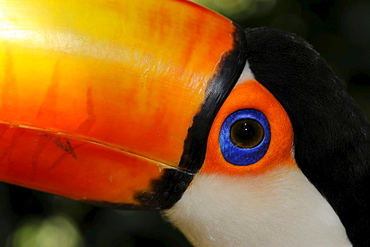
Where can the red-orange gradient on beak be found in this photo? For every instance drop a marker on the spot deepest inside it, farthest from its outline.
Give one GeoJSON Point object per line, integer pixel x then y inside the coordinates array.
{"type": "Point", "coordinates": [102, 99]}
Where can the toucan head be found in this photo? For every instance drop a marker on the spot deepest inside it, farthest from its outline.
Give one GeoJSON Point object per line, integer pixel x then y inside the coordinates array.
{"type": "Point", "coordinates": [165, 105]}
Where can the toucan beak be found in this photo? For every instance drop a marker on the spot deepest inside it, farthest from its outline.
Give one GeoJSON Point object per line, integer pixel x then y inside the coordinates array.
{"type": "Point", "coordinates": [111, 101]}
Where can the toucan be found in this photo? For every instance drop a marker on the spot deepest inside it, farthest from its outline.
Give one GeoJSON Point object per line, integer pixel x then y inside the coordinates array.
{"type": "Point", "coordinates": [241, 137]}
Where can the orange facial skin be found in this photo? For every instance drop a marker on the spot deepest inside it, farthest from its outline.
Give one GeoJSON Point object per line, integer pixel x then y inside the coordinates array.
{"type": "Point", "coordinates": [252, 95]}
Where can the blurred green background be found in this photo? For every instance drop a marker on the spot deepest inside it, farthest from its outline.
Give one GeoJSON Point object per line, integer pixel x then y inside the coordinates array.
{"type": "Point", "coordinates": [339, 30]}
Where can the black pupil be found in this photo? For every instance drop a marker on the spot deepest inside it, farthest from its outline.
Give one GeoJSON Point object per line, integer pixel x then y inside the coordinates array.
{"type": "Point", "coordinates": [246, 133]}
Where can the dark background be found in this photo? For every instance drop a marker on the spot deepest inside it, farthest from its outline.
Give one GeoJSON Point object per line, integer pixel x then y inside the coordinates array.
{"type": "Point", "coordinates": [339, 30]}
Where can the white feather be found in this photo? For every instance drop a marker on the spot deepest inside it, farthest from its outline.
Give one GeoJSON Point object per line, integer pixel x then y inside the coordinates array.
{"type": "Point", "coordinates": [279, 208]}
{"type": "Point", "coordinates": [246, 75]}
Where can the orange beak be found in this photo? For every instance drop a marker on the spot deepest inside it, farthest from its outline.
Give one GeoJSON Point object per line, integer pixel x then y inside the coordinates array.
{"type": "Point", "coordinates": [111, 101]}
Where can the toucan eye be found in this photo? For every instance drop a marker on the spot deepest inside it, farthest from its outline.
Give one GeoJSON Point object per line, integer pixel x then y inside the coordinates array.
{"type": "Point", "coordinates": [245, 137]}
{"type": "Point", "coordinates": [246, 133]}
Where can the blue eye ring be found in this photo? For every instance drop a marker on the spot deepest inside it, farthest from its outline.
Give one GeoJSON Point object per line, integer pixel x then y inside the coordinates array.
{"type": "Point", "coordinates": [243, 155]}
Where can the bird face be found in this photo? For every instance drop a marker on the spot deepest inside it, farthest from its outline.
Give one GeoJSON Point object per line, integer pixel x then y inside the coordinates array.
{"type": "Point", "coordinates": [250, 191]}
{"type": "Point", "coordinates": [165, 105]}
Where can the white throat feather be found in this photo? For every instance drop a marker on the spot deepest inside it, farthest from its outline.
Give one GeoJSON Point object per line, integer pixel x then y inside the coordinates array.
{"type": "Point", "coordinates": [278, 208]}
